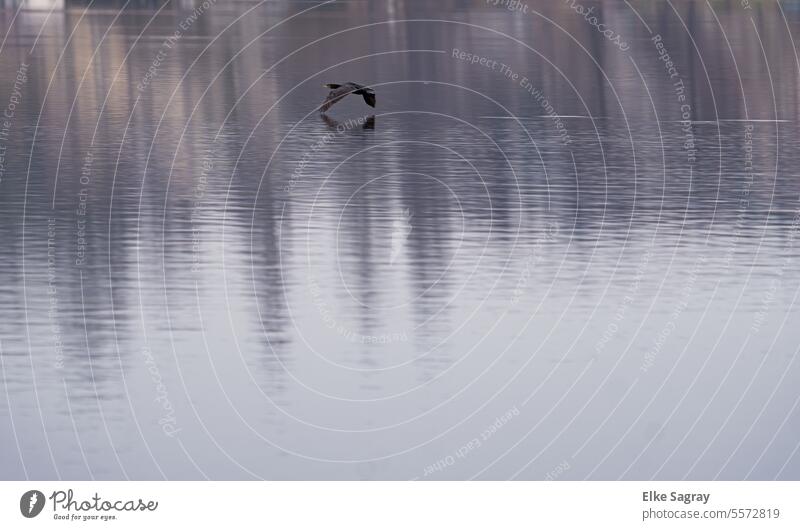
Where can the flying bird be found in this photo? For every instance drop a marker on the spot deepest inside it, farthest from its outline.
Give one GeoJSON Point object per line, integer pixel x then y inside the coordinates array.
{"type": "Point", "coordinates": [338, 92]}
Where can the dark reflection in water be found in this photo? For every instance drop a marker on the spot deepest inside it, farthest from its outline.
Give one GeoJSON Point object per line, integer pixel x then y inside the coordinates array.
{"type": "Point", "coordinates": [561, 249]}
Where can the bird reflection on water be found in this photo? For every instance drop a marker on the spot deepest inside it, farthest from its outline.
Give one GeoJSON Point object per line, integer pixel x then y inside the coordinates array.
{"type": "Point", "coordinates": [366, 123]}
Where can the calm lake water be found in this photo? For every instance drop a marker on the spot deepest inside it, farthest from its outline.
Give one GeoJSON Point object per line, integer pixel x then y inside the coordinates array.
{"type": "Point", "coordinates": [548, 253]}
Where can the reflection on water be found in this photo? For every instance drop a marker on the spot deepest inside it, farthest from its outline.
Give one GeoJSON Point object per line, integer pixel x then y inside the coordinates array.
{"type": "Point", "coordinates": [584, 258]}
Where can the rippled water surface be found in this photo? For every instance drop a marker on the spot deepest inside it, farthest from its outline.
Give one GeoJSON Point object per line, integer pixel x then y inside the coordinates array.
{"type": "Point", "coordinates": [565, 258]}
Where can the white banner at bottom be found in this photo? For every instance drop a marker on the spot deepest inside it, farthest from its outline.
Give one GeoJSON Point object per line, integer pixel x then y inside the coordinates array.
{"type": "Point", "coordinates": [400, 505]}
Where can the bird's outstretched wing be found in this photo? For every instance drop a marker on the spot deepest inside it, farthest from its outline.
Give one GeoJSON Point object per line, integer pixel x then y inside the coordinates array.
{"type": "Point", "coordinates": [369, 97]}
{"type": "Point", "coordinates": [334, 96]}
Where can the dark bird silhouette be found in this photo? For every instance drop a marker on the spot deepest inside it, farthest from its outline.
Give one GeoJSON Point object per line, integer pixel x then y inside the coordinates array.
{"type": "Point", "coordinates": [338, 92]}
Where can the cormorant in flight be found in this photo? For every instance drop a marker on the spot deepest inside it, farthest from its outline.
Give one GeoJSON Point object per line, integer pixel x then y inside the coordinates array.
{"type": "Point", "coordinates": [340, 91]}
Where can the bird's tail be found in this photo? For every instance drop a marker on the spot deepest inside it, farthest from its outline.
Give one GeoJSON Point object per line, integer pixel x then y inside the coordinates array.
{"type": "Point", "coordinates": [331, 85]}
